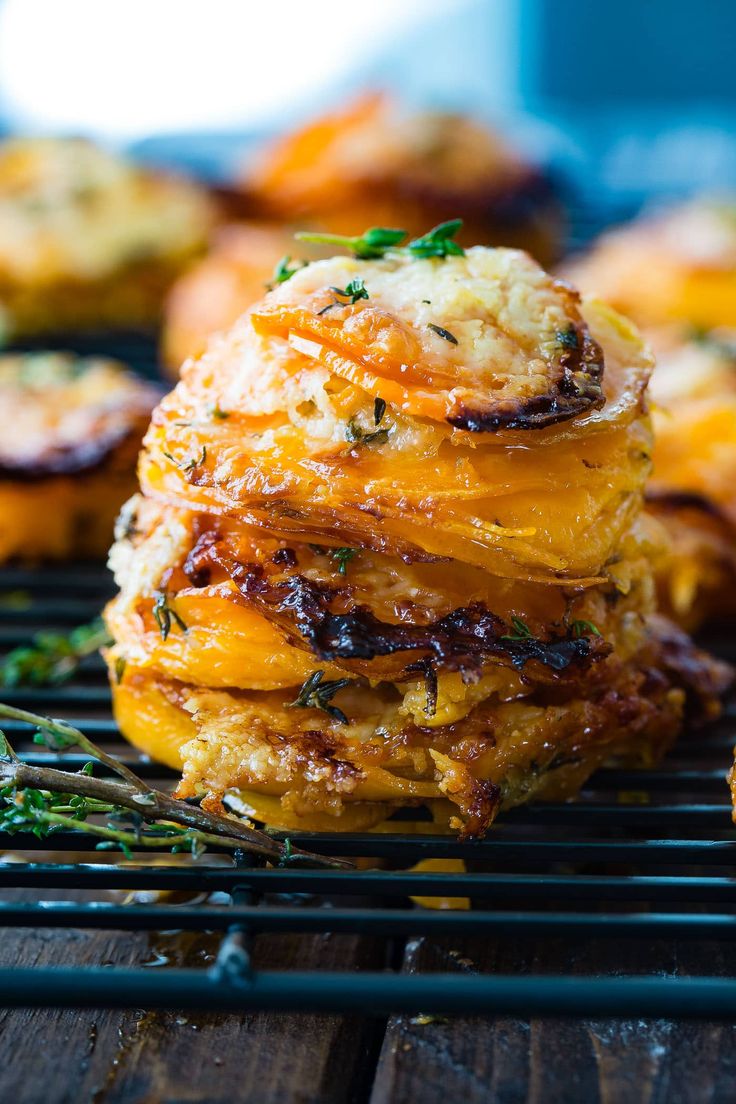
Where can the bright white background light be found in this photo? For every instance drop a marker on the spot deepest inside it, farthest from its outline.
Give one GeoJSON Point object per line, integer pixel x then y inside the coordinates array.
{"type": "Point", "coordinates": [124, 68]}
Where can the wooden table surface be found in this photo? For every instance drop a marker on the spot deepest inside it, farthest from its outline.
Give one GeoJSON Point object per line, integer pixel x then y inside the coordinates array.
{"type": "Point", "coordinates": [138, 1057]}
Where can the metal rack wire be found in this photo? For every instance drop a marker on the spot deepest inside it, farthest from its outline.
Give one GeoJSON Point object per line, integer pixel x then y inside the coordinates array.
{"type": "Point", "coordinates": [641, 856]}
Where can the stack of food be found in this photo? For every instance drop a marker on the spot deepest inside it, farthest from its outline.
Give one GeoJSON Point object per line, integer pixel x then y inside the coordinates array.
{"type": "Point", "coordinates": [72, 429]}
{"type": "Point", "coordinates": [88, 239]}
{"type": "Point", "coordinates": [369, 163]}
{"type": "Point", "coordinates": [675, 274]}
{"type": "Point", "coordinates": [390, 548]}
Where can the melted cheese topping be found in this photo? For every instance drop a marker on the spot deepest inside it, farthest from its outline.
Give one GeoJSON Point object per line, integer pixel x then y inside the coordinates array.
{"type": "Point", "coordinates": [63, 413]}
{"type": "Point", "coordinates": [70, 210]}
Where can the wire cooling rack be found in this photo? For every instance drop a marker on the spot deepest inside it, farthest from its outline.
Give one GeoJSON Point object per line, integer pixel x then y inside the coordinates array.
{"type": "Point", "coordinates": [642, 855]}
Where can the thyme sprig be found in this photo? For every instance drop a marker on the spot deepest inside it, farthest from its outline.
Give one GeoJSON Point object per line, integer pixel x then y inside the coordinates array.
{"type": "Point", "coordinates": [347, 296]}
{"type": "Point", "coordinates": [316, 694]}
{"type": "Point", "coordinates": [380, 240]}
{"type": "Point", "coordinates": [372, 244]}
{"type": "Point", "coordinates": [164, 614]}
{"type": "Point", "coordinates": [354, 290]}
{"type": "Point", "coordinates": [43, 800]}
{"type": "Point", "coordinates": [438, 242]}
{"type": "Point", "coordinates": [52, 658]}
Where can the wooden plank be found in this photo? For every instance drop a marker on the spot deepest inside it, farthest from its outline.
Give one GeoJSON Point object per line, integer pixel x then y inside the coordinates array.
{"type": "Point", "coordinates": [497, 1060]}
{"type": "Point", "coordinates": [137, 1057]}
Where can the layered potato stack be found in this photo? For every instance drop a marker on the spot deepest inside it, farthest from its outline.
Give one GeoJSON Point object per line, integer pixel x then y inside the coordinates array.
{"type": "Point", "coordinates": [390, 549]}
{"type": "Point", "coordinates": [89, 240]}
{"type": "Point", "coordinates": [675, 275]}
{"type": "Point", "coordinates": [72, 430]}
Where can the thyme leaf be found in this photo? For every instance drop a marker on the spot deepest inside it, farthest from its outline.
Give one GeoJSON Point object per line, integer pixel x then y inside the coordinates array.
{"type": "Point", "coordinates": [192, 462]}
{"type": "Point", "coordinates": [584, 628]}
{"type": "Point", "coordinates": [316, 694]}
{"type": "Point", "coordinates": [567, 337]}
{"type": "Point", "coordinates": [438, 242]}
{"type": "Point", "coordinates": [344, 297]}
{"type": "Point", "coordinates": [441, 332]}
{"type": "Point", "coordinates": [379, 409]}
{"type": "Point", "coordinates": [374, 243]}
{"type": "Point", "coordinates": [164, 614]}
{"type": "Point", "coordinates": [353, 291]}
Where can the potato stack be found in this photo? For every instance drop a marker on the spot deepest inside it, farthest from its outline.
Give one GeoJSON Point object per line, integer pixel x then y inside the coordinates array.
{"type": "Point", "coordinates": [675, 274]}
{"type": "Point", "coordinates": [390, 549]}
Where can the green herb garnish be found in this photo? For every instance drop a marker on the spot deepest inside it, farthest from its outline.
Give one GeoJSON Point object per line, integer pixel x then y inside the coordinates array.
{"type": "Point", "coordinates": [584, 628]}
{"type": "Point", "coordinates": [438, 242]}
{"type": "Point", "coordinates": [522, 631]}
{"type": "Point", "coordinates": [348, 295]}
{"type": "Point", "coordinates": [353, 291]}
{"type": "Point", "coordinates": [355, 434]}
{"type": "Point", "coordinates": [190, 464]}
{"type": "Point", "coordinates": [568, 337]}
{"type": "Point", "coordinates": [442, 333]}
{"type": "Point", "coordinates": [374, 243]}
{"type": "Point", "coordinates": [380, 240]}
{"type": "Point", "coordinates": [343, 556]}
{"type": "Point", "coordinates": [282, 272]}
{"type": "Point", "coordinates": [218, 414]}
{"type": "Point", "coordinates": [129, 814]}
{"type": "Point", "coordinates": [164, 614]}
{"type": "Point", "coordinates": [52, 658]}
{"type": "Point", "coordinates": [316, 694]}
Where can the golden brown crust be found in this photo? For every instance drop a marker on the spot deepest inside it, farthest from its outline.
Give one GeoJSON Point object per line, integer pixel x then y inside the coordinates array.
{"type": "Point", "coordinates": [371, 164]}
{"type": "Point", "coordinates": [693, 490]}
{"type": "Point", "coordinates": [677, 266]}
{"type": "Point", "coordinates": [353, 605]}
{"type": "Point", "coordinates": [67, 458]}
{"type": "Point", "coordinates": [87, 240]}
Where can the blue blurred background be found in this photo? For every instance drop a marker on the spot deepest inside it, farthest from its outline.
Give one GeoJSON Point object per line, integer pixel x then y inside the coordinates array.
{"type": "Point", "coordinates": [623, 99]}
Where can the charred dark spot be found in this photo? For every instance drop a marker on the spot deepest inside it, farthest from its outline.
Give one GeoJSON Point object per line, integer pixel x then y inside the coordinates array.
{"type": "Point", "coordinates": [704, 678]}
{"type": "Point", "coordinates": [313, 746]}
{"type": "Point", "coordinates": [426, 668]}
{"type": "Point", "coordinates": [510, 203]}
{"type": "Point", "coordinates": [285, 557]}
{"type": "Point", "coordinates": [684, 500]}
{"type": "Point", "coordinates": [461, 640]}
{"type": "Point", "coordinates": [197, 566]}
{"type": "Point", "coordinates": [576, 390]}
{"type": "Point", "coordinates": [73, 459]}
{"type": "Point", "coordinates": [480, 808]}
